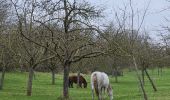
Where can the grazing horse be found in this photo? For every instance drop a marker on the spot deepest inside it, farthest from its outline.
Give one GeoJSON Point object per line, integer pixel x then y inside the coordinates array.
{"type": "Point", "coordinates": [100, 82]}
{"type": "Point", "coordinates": [73, 79]}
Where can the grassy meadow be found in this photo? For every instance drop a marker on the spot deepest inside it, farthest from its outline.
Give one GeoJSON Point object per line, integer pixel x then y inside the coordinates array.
{"type": "Point", "coordinates": [125, 89]}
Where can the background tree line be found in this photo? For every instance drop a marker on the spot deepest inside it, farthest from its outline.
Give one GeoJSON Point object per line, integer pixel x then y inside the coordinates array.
{"type": "Point", "coordinates": [54, 36]}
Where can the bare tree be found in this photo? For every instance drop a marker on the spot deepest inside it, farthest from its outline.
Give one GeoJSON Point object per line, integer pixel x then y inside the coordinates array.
{"type": "Point", "coordinates": [126, 27]}
{"type": "Point", "coordinates": [4, 56]}
{"type": "Point", "coordinates": [74, 24]}
{"type": "Point", "coordinates": [33, 54]}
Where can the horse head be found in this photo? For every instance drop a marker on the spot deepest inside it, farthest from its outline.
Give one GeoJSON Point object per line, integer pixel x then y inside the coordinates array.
{"type": "Point", "coordinates": [110, 92]}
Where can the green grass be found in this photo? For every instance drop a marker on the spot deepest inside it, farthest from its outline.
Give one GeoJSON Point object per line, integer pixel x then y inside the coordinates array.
{"type": "Point", "coordinates": [125, 89]}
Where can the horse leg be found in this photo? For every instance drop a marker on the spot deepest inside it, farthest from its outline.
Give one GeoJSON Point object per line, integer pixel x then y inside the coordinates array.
{"type": "Point", "coordinates": [71, 84]}
{"type": "Point", "coordinates": [84, 85]}
{"type": "Point", "coordinates": [103, 92]}
{"type": "Point", "coordinates": [100, 93]}
{"type": "Point", "coordinates": [80, 84]}
{"type": "Point", "coordinates": [92, 91]}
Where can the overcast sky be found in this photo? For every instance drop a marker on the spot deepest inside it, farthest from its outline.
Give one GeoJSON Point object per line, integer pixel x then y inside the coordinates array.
{"type": "Point", "coordinates": [155, 15]}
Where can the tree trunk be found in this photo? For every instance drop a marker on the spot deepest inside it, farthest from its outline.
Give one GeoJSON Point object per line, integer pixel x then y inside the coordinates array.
{"type": "Point", "coordinates": [152, 83]}
{"type": "Point", "coordinates": [113, 72]}
{"type": "Point", "coordinates": [53, 77]}
{"type": "Point", "coordinates": [29, 83]}
{"type": "Point", "coordinates": [2, 78]}
{"type": "Point", "coordinates": [78, 79]}
{"type": "Point", "coordinates": [161, 71]}
{"type": "Point", "coordinates": [21, 68]}
{"type": "Point", "coordinates": [65, 81]}
{"type": "Point", "coordinates": [143, 76]}
{"type": "Point", "coordinates": [158, 71]}
{"type": "Point", "coordinates": [139, 78]}
{"type": "Point", "coordinates": [152, 70]}
{"type": "Point", "coordinates": [34, 76]}
{"type": "Point", "coordinates": [116, 75]}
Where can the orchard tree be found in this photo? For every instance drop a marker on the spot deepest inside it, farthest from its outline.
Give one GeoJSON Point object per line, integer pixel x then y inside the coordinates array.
{"type": "Point", "coordinates": [74, 18]}
{"type": "Point", "coordinates": [4, 40]}
{"type": "Point", "coordinates": [70, 43]}
{"type": "Point", "coordinates": [129, 36]}
{"type": "Point", "coordinates": [27, 30]}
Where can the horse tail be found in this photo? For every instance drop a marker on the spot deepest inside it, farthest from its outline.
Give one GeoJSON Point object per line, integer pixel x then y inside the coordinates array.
{"type": "Point", "coordinates": [92, 85]}
{"type": "Point", "coordinates": [95, 84]}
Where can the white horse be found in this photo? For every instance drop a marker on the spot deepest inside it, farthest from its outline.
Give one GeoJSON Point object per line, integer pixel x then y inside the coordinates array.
{"type": "Point", "coordinates": [100, 82]}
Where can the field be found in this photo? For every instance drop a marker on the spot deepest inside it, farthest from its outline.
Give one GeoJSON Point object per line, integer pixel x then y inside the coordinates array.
{"type": "Point", "coordinates": [125, 89]}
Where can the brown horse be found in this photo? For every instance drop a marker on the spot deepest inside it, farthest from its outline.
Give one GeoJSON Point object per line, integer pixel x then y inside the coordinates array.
{"type": "Point", "coordinates": [73, 79]}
